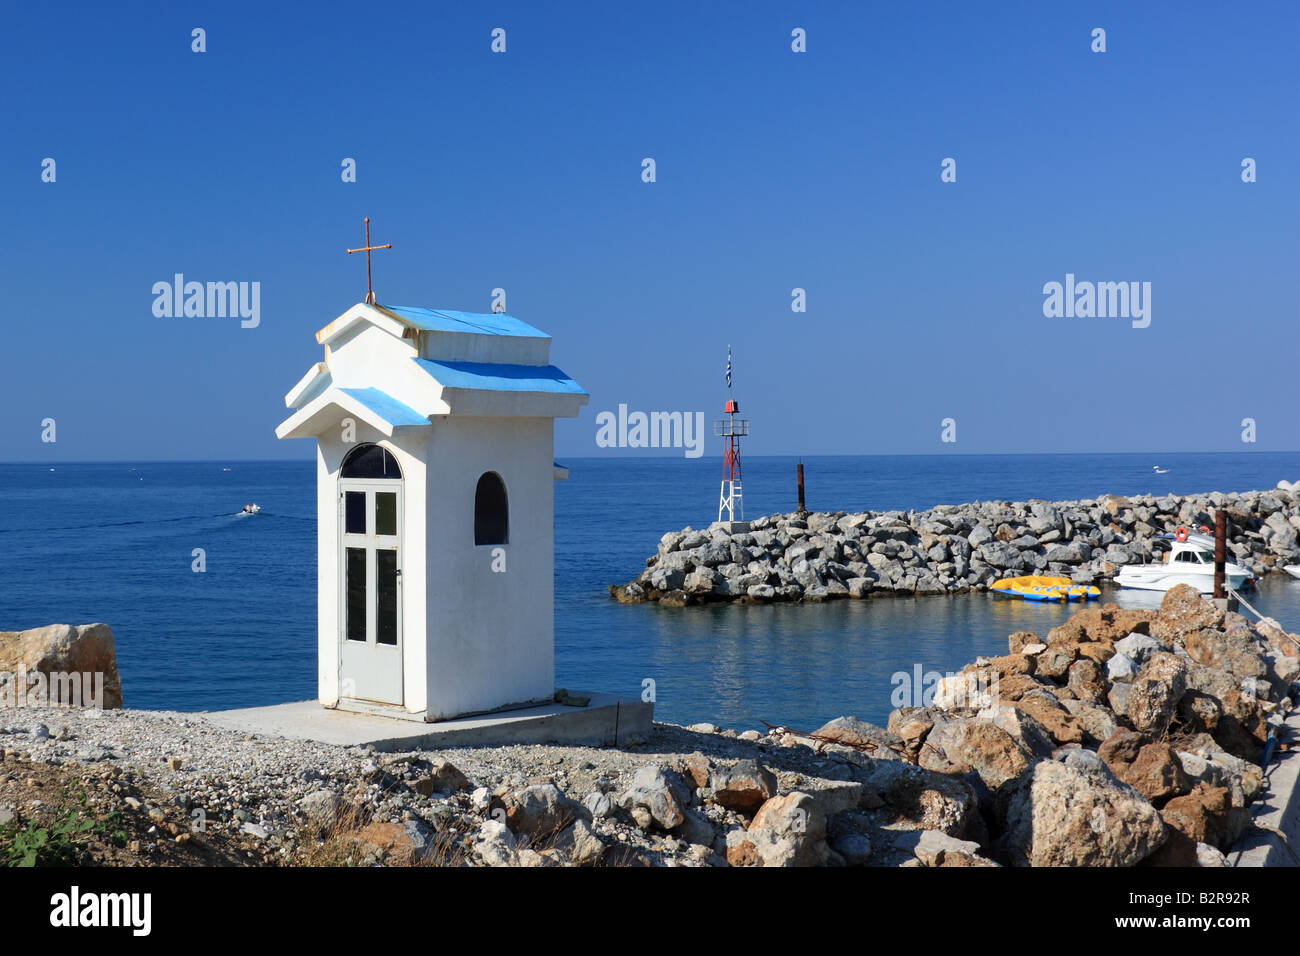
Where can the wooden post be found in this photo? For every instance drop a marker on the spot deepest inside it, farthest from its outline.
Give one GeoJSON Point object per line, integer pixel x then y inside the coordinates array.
{"type": "Point", "coordinates": [802, 509]}
{"type": "Point", "coordinates": [1220, 552]}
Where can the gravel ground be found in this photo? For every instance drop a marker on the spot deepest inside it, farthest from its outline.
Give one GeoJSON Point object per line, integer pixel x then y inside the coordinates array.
{"type": "Point", "coordinates": [250, 790]}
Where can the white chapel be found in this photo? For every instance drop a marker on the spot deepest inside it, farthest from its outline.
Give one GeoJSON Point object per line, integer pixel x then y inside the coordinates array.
{"type": "Point", "coordinates": [434, 472]}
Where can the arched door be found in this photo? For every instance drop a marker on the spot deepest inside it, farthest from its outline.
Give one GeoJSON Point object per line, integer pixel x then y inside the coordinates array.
{"type": "Point", "coordinates": [370, 572]}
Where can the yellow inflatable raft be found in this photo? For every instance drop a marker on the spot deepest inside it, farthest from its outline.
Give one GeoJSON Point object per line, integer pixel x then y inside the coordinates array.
{"type": "Point", "coordinates": [1039, 588]}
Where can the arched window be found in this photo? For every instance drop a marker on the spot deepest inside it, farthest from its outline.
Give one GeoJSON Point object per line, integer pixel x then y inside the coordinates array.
{"type": "Point", "coordinates": [370, 461]}
{"type": "Point", "coordinates": [491, 510]}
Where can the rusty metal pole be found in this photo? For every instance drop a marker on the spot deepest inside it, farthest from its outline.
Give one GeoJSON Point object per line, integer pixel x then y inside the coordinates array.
{"type": "Point", "coordinates": [802, 509]}
{"type": "Point", "coordinates": [1220, 552]}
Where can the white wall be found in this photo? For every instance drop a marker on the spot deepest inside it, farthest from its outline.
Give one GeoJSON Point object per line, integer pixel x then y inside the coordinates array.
{"type": "Point", "coordinates": [491, 635]}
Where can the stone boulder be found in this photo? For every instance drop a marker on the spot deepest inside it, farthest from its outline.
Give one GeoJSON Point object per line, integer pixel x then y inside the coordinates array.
{"type": "Point", "coordinates": [657, 797]}
{"type": "Point", "coordinates": [541, 811]}
{"type": "Point", "coordinates": [74, 659]}
{"type": "Point", "coordinates": [1202, 815]}
{"type": "Point", "coordinates": [1156, 773]}
{"type": "Point", "coordinates": [446, 778]}
{"type": "Point", "coordinates": [1154, 694]}
{"type": "Point", "coordinates": [744, 787]}
{"type": "Point", "coordinates": [961, 746]}
{"type": "Point", "coordinates": [859, 734]}
{"type": "Point", "coordinates": [1183, 611]}
{"type": "Point", "coordinates": [918, 799]}
{"type": "Point", "coordinates": [577, 845]}
{"type": "Point", "coordinates": [1060, 724]}
{"type": "Point", "coordinates": [787, 831]}
{"type": "Point", "coordinates": [1077, 813]}
{"type": "Point", "coordinates": [911, 725]}
{"type": "Point", "coordinates": [401, 843]}
{"type": "Point", "coordinates": [1237, 654]}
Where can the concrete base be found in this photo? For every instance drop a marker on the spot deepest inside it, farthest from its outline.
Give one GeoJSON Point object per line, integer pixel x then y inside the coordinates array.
{"type": "Point", "coordinates": [1278, 810]}
{"type": "Point", "coordinates": [607, 721]}
{"type": "Point", "coordinates": [731, 527]}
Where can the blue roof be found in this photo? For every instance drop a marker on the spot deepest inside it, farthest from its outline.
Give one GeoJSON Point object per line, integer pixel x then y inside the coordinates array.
{"type": "Point", "coordinates": [386, 407]}
{"type": "Point", "coordinates": [477, 323]}
{"type": "Point", "coordinates": [501, 378]}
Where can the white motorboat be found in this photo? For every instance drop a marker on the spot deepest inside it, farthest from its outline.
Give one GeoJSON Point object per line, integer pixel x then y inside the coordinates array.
{"type": "Point", "coordinates": [1190, 560]}
{"type": "Point", "coordinates": [1293, 570]}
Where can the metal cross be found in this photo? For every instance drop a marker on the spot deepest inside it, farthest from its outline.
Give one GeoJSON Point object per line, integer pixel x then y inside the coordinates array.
{"type": "Point", "coordinates": [370, 294]}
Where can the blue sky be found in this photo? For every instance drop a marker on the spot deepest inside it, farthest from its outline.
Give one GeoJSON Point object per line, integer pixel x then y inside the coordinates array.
{"type": "Point", "coordinates": [775, 170]}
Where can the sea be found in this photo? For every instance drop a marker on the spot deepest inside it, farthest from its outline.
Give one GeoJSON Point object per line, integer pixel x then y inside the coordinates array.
{"type": "Point", "coordinates": [118, 542]}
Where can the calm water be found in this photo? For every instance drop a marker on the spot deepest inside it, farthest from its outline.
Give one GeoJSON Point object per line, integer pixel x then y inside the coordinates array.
{"type": "Point", "coordinates": [114, 542]}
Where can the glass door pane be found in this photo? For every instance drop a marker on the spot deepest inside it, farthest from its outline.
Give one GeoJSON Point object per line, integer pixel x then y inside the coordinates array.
{"type": "Point", "coordinates": [385, 512]}
{"type": "Point", "coordinates": [354, 512]}
{"type": "Point", "coordinates": [356, 594]}
{"type": "Point", "coordinates": [386, 596]}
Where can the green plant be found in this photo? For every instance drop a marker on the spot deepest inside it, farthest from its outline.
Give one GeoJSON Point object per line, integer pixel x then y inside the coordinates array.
{"type": "Point", "coordinates": [58, 844]}
{"type": "Point", "coordinates": [48, 846]}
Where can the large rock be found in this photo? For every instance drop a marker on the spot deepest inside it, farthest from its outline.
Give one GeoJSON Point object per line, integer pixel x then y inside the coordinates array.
{"type": "Point", "coordinates": [541, 811]}
{"type": "Point", "coordinates": [1078, 814]}
{"type": "Point", "coordinates": [446, 777]}
{"type": "Point", "coordinates": [577, 845]}
{"type": "Point", "coordinates": [75, 660]}
{"type": "Point", "coordinates": [970, 689]}
{"type": "Point", "coordinates": [1155, 692]}
{"type": "Point", "coordinates": [1156, 773]}
{"type": "Point", "coordinates": [403, 843]}
{"type": "Point", "coordinates": [744, 787]}
{"type": "Point", "coordinates": [786, 831]}
{"type": "Point", "coordinates": [1183, 611]}
{"type": "Point", "coordinates": [912, 725]}
{"type": "Point", "coordinates": [920, 799]}
{"type": "Point", "coordinates": [965, 745]}
{"type": "Point", "coordinates": [933, 848]}
{"type": "Point", "coordinates": [1203, 814]}
{"type": "Point", "coordinates": [859, 734]}
{"type": "Point", "coordinates": [1063, 726]}
{"type": "Point", "coordinates": [1237, 654]}
{"type": "Point", "coordinates": [657, 796]}
{"type": "Point", "coordinates": [1096, 721]}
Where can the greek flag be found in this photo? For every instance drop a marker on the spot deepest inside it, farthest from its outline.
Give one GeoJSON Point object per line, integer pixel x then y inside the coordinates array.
{"type": "Point", "coordinates": [728, 366]}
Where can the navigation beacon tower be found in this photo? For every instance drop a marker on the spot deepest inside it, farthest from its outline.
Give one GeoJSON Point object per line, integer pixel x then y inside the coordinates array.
{"type": "Point", "coordinates": [731, 429]}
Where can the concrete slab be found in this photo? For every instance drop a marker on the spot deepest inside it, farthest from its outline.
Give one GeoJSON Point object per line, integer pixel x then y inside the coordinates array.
{"type": "Point", "coordinates": [1274, 840]}
{"type": "Point", "coordinates": [607, 721]}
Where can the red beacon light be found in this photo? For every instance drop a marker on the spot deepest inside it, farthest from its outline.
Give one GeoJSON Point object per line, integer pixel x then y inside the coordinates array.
{"type": "Point", "coordinates": [731, 429]}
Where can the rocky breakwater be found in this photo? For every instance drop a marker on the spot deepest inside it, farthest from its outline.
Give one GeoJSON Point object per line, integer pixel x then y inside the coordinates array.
{"type": "Point", "coordinates": [1121, 737]}
{"type": "Point", "coordinates": [951, 548]}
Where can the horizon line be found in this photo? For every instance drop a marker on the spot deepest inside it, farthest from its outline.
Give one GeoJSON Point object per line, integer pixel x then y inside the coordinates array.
{"type": "Point", "coordinates": [673, 457]}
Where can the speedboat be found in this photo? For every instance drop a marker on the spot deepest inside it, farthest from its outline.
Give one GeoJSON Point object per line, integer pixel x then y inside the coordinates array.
{"type": "Point", "coordinates": [1292, 569]}
{"type": "Point", "coordinates": [1190, 560]}
{"type": "Point", "coordinates": [1159, 470]}
{"type": "Point", "coordinates": [252, 509]}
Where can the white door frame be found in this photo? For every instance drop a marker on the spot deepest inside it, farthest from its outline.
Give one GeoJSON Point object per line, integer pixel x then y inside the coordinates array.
{"type": "Point", "coordinates": [370, 671]}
